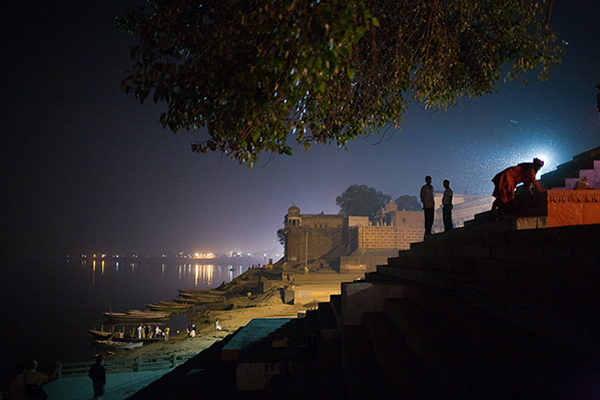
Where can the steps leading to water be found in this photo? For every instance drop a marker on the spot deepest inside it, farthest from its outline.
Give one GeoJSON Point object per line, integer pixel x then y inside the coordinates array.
{"type": "Point", "coordinates": [491, 314]}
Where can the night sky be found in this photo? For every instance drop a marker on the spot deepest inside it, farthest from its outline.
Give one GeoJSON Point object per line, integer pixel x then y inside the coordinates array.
{"type": "Point", "coordinates": [85, 168]}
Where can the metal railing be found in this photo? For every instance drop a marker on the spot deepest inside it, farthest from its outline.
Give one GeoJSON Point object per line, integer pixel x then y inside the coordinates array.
{"type": "Point", "coordinates": [150, 363]}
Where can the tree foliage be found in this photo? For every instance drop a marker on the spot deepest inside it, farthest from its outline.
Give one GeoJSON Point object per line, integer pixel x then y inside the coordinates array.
{"type": "Point", "coordinates": [281, 235]}
{"type": "Point", "coordinates": [258, 71]}
{"type": "Point", "coordinates": [361, 200]}
{"type": "Point", "coordinates": [408, 203]}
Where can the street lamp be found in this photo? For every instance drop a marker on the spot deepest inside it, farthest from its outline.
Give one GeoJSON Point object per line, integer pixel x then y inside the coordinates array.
{"type": "Point", "coordinates": [306, 251]}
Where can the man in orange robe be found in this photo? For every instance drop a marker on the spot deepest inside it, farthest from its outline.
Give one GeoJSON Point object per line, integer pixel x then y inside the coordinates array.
{"type": "Point", "coordinates": [506, 181]}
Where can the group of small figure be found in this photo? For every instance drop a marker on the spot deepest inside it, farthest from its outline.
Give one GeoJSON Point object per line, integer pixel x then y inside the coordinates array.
{"type": "Point", "coordinates": [191, 330]}
{"type": "Point", "coordinates": [429, 205]}
{"type": "Point", "coordinates": [505, 183]}
{"type": "Point", "coordinates": [146, 332]}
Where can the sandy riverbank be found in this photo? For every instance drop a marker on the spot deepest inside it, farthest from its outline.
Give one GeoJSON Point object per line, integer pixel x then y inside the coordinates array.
{"type": "Point", "coordinates": [240, 309]}
{"type": "Point", "coordinates": [206, 333]}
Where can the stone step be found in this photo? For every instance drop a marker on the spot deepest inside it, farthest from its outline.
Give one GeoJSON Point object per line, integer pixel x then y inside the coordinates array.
{"type": "Point", "coordinates": [335, 301]}
{"type": "Point", "coordinates": [555, 305]}
{"type": "Point", "coordinates": [405, 375]}
{"type": "Point", "coordinates": [593, 174]}
{"type": "Point", "coordinates": [556, 247]}
{"type": "Point", "coordinates": [547, 282]}
{"type": "Point", "coordinates": [312, 323]}
{"type": "Point", "coordinates": [328, 382]}
{"type": "Point", "coordinates": [327, 321]}
{"type": "Point", "coordinates": [474, 356]}
{"type": "Point", "coordinates": [362, 375]}
{"type": "Point", "coordinates": [485, 235]}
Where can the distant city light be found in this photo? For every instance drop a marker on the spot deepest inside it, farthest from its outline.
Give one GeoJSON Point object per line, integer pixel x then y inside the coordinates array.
{"type": "Point", "coordinates": [199, 255]}
{"type": "Point", "coordinates": [204, 256]}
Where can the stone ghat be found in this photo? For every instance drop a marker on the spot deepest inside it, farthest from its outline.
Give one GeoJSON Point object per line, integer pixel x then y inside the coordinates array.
{"type": "Point", "coordinates": [487, 312]}
{"type": "Point", "coordinates": [549, 209]}
{"type": "Point", "coordinates": [572, 207]}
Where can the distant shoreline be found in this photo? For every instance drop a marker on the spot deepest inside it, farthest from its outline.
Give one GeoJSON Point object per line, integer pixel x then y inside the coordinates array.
{"type": "Point", "coordinates": [261, 261]}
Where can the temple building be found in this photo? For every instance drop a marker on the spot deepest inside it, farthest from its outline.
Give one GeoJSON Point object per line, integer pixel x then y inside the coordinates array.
{"type": "Point", "coordinates": [500, 309]}
{"type": "Point", "coordinates": [355, 243]}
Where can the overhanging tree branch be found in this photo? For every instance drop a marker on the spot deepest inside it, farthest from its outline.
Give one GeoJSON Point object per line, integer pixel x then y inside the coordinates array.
{"type": "Point", "coordinates": [257, 72]}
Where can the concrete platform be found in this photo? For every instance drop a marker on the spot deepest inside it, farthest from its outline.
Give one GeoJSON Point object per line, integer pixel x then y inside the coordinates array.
{"type": "Point", "coordinates": [118, 386]}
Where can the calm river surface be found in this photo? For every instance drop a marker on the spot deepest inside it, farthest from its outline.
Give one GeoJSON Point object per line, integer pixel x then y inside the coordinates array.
{"type": "Point", "coordinates": [48, 307]}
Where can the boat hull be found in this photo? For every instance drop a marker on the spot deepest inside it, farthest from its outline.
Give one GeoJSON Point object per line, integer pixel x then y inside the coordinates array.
{"type": "Point", "coordinates": [118, 345]}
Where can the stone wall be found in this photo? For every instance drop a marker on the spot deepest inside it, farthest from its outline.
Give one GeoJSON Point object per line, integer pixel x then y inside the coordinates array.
{"type": "Point", "coordinates": [324, 237]}
{"type": "Point", "coordinates": [307, 244]}
{"type": "Point", "coordinates": [462, 212]}
{"type": "Point", "coordinates": [561, 207]}
{"type": "Point", "coordinates": [573, 207]}
{"type": "Point", "coordinates": [388, 237]}
{"type": "Point", "coordinates": [365, 260]}
{"type": "Point", "coordinates": [377, 237]}
{"type": "Point", "coordinates": [312, 236]}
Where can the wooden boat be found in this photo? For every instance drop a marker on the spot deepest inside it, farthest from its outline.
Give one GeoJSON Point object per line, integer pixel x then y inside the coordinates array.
{"type": "Point", "coordinates": [201, 293]}
{"type": "Point", "coordinates": [118, 345]}
{"type": "Point", "coordinates": [136, 340]}
{"type": "Point", "coordinates": [100, 335]}
{"type": "Point", "coordinates": [169, 307]}
{"type": "Point", "coordinates": [170, 304]}
{"type": "Point", "coordinates": [188, 302]}
{"type": "Point", "coordinates": [146, 313]}
{"type": "Point", "coordinates": [137, 316]}
{"type": "Point", "coordinates": [191, 296]}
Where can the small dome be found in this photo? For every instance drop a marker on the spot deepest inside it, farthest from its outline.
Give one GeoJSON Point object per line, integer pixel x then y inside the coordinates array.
{"type": "Point", "coordinates": [293, 210]}
{"type": "Point", "coordinates": [391, 206]}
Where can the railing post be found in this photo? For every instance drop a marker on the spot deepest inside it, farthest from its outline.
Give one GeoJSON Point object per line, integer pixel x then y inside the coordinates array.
{"type": "Point", "coordinates": [138, 364]}
{"type": "Point", "coordinates": [173, 360]}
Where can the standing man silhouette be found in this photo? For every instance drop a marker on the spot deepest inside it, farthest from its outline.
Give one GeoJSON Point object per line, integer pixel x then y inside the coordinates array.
{"type": "Point", "coordinates": [447, 206]}
{"type": "Point", "coordinates": [428, 204]}
{"type": "Point", "coordinates": [98, 376]}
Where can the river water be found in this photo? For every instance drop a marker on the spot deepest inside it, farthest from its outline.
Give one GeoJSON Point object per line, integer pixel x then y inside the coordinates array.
{"type": "Point", "coordinates": [48, 307]}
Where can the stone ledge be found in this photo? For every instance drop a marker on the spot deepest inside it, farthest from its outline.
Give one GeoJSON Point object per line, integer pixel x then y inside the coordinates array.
{"type": "Point", "coordinates": [561, 207]}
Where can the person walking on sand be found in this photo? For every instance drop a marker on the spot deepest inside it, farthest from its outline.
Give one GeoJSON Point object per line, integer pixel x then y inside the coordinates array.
{"type": "Point", "coordinates": [447, 206]}
{"type": "Point", "coordinates": [98, 376]}
{"type": "Point", "coordinates": [166, 333]}
{"type": "Point", "coordinates": [428, 204]}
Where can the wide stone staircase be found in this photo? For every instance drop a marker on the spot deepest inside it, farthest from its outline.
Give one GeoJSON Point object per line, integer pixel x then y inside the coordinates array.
{"type": "Point", "coordinates": [491, 311]}
{"type": "Point", "coordinates": [487, 312]}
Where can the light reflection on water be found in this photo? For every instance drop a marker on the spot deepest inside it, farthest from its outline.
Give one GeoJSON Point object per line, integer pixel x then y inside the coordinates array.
{"type": "Point", "coordinates": [189, 275]}
{"type": "Point", "coordinates": [64, 300]}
